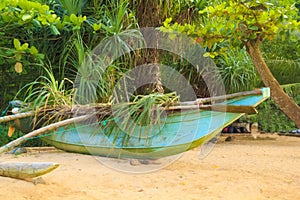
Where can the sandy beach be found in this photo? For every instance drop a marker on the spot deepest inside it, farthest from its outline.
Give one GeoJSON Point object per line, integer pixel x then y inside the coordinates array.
{"type": "Point", "coordinates": [267, 168]}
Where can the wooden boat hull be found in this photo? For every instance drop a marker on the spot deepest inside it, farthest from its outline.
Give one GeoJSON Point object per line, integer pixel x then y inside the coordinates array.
{"type": "Point", "coordinates": [180, 132]}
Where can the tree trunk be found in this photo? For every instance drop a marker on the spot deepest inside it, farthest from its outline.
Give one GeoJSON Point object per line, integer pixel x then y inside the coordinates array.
{"type": "Point", "coordinates": [284, 102]}
{"type": "Point", "coordinates": [149, 14]}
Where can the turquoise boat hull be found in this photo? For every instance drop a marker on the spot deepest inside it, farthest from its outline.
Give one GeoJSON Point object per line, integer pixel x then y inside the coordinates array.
{"type": "Point", "coordinates": [178, 133]}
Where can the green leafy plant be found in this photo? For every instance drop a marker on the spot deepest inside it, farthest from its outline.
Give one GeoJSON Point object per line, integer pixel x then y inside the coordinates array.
{"type": "Point", "coordinates": [282, 58]}
{"type": "Point", "coordinates": [46, 91]}
{"type": "Point", "coordinates": [4, 139]}
{"type": "Point", "coordinates": [286, 71]}
{"type": "Point", "coordinates": [140, 116]}
{"type": "Point", "coordinates": [98, 73]}
{"type": "Point", "coordinates": [30, 32]}
{"type": "Point", "coordinates": [248, 23]}
{"type": "Point", "coordinates": [237, 71]}
{"type": "Point", "coordinates": [72, 6]}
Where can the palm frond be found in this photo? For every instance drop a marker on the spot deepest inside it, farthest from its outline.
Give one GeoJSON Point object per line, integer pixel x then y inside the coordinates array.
{"type": "Point", "coordinates": [142, 116]}
{"type": "Point", "coordinates": [47, 91]}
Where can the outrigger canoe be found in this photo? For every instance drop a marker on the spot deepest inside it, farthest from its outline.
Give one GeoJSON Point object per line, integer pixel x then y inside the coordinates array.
{"type": "Point", "coordinates": [180, 131]}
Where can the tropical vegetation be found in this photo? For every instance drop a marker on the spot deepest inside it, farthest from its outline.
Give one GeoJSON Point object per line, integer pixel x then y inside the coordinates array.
{"type": "Point", "coordinates": [47, 47]}
{"type": "Point", "coordinates": [246, 24]}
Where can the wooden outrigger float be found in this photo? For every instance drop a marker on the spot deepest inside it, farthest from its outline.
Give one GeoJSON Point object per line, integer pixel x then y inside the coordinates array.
{"type": "Point", "coordinates": [26, 170]}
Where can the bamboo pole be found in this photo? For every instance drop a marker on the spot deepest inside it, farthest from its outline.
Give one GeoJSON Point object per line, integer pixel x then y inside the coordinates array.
{"type": "Point", "coordinates": [40, 131]}
{"type": "Point", "coordinates": [217, 108]}
{"type": "Point", "coordinates": [223, 97]}
{"type": "Point", "coordinates": [229, 96]}
{"type": "Point", "coordinates": [16, 116]}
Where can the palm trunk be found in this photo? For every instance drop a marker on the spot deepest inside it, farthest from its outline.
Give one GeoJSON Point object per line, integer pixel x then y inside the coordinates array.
{"type": "Point", "coordinates": [284, 102]}
{"type": "Point", "coordinates": [149, 14]}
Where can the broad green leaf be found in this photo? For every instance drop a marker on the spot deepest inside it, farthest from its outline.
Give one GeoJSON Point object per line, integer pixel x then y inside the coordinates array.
{"type": "Point", "coordinates": [36, 23]}
{"type": "Point", "coordinates": [201, 12]}
{"type": "Point", "coordinates": [81, 19]}
{"type": "Point", "coordinates": [206, 54]}
{"type": "Point", "coordinates": [33, 50]}
{"type": "Point", "coordinates": [210, 54]}
{"type": "Point", "coordinates": [40, 55]}
{"type": "Point", "coordinates": [96, 27]}
{"type": "Point", "coordinates": [51, 18]}
{"type": "Point", "coordinates": [255, 28]}
{"type": "Point", "coordinates": [24, 47]}
{"type": "Point", "coordinates": [54, 30]}
{"type": "Point", "coordinates": [17, 44]}
{"type": "Point", "coordinates": [26, 17]}
{"type": "Point", "coordinates": [73, 19]}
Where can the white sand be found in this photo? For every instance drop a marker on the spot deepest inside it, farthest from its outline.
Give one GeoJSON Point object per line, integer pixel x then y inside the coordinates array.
{"type": "Point", "coordinates": [246, 169]}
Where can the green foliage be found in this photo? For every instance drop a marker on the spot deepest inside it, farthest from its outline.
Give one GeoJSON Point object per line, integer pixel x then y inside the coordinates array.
{"type": "Point", "coordinates": [282, 57]}
{"type": "Point", "coordinates": [237, 71]}
{"type": "Point", "coordinates": [151, 13]}
{"type": "Point", "coordinates": [46, 91]}
{"type": "Point", "coordinates": [270, 118]}
{"type": "Point", "coordinates": [238, 21]}
{"type": "Point", "coordinates": [118, 19]}
{"type": "Point", "coordinates": [283, 50]}
{"type": "Point", "coordinates": [29, 31]}
{"type": "Point", "coordinates": [231, 25]}
{"type": "Point", "coordinates": [60, 33]}
{"type": "Point", "coordinates": [193, 75]}
{"type": "Point", "coordinates": [285, 71]}
{"type": "Point", "coordinates": [4, 139]}
{"type": "Point", "coordinates": [63, 32]}
{"type": "Point", "coordinates": [72, 6]}
{"type": "Point", "coordinates": [143, 115]}
{"type": "Point", "coordinates": [34, 32]}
